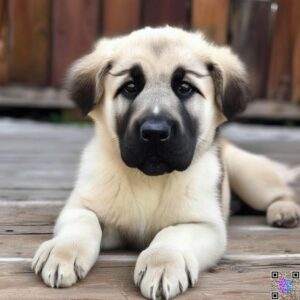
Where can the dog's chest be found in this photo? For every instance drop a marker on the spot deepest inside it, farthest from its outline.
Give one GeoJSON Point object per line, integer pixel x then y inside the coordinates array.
{"type": "Point", "coordinates": [140, 207]}
{"type": "Point", "coordinates": [132, 204]}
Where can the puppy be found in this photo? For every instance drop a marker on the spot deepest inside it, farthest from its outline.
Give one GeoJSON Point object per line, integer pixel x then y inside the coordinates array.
{"type": "Point", "coordinates": [155, 175]}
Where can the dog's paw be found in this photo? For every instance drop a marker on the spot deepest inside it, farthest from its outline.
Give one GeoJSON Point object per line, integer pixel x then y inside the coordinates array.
{"type": "Point", "coordinates": [62, 262]}
{"type": "Point", "coordinates": [283, 214]}
{"type": "Point", "coordinates": [164, 272]}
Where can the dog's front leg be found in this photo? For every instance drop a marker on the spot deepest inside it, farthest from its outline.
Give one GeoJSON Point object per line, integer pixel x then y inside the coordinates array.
{"type": "Point", "coordinates": [176, 255]}
{"type": "Point", "coordinates": [73, 250]}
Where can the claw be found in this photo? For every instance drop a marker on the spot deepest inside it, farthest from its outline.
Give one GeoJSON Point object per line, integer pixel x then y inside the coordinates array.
{"type": "Point", "coordinates": [34, 265]}
{"type": "Point", "coordinates": [159, 290]}
{"type": "Point", "coordinates": [189, 277]}
{"type": "Point", "coordinates": [141, 276]}
{"type": "Point", "coordinates": [180, 287]}
{"type": "Point", "coordinates": [151, 292]}
{"type": "Point", "coordinates": [39, 268]}
{"type": "Point", "coordinates": [78, 271]}
{"type": "Point", "coordinates": [56, 285]}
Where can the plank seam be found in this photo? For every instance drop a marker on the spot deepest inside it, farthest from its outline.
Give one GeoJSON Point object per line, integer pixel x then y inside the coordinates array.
{"type": "Point", "coordinates": [132, 258]}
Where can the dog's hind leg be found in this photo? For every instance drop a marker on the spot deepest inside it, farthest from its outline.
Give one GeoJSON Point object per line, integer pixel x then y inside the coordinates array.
{"type": "Point", "coordinates": [262, 184]}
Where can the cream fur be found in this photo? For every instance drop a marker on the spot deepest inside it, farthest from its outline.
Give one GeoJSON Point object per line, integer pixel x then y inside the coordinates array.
{"type": "Point", "coordinates": [178, 218]}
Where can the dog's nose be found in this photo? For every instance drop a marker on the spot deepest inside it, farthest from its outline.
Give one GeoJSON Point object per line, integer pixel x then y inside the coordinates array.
{"type": "Point", "coordinates": [155, 130]}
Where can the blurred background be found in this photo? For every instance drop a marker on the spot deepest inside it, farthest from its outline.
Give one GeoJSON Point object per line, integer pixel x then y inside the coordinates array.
{"type": "Point", "coordinates": [40, 38]}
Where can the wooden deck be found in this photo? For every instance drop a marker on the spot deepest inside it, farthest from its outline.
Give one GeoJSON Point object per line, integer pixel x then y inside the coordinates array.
{"type": "Point", "coordinates": [37, 169]}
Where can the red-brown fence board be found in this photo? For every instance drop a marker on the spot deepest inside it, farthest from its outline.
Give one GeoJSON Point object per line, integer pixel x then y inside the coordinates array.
{"type": "Point", "coordinates": [3, 41]}
{"type": "Point", "coordinates": [296, 52]}
{"type": "Point", "coordinates": [120, 16]}
{"type": "Point", "coordinates": [212, 18]}
{"type": "Point", "coordinates": [251, 34]}
{"type": "Point", "coordinates": [39, 39]}
{"type": "Point", "coordinates": [296, 70]}
{"type": "Point", "coordinates": [30, 41]}
{"type": "Point", "coordinates": [280, 81]}
{"type": "Point", "coordinates": [75, 26]}
{"type": "Point", "coordinates": [161, 12]}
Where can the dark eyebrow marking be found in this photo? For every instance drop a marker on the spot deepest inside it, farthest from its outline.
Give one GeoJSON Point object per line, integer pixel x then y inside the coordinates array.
{"type": "Point", "coordinates": [124, 72]}
{"type": "Point", "coordinates": [179, 74]}
{"type": "Point", "coordinates": [136, 76]}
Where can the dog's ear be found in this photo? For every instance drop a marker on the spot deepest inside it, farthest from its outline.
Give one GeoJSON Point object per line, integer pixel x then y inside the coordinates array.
{"type": "Point", "coordinates": [84, 81]}
{"type": "Point", "coordinates": [230, 81]}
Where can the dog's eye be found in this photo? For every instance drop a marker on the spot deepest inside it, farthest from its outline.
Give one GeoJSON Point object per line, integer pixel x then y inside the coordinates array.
{"type": "Point", "coordinates": [129, 90]}
{"type": "Point", "coordinates": [184, 90]}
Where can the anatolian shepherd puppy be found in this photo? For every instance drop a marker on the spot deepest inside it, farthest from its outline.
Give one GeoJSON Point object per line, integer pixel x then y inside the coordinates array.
{"type": "Point", "coordinates": [156, 176]}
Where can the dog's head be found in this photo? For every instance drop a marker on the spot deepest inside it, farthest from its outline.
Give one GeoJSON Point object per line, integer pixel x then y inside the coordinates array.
{"type": "Point", "coordinates": [161, 92]}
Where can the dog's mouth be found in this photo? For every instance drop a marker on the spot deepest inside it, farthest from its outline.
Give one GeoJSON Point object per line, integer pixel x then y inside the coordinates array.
{"type": "Point", "coordinates": [154, 166]}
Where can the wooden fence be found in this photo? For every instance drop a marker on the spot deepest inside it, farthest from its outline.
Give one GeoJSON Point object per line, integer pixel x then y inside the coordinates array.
{"type": "Point", "coordinates": [40, 38]}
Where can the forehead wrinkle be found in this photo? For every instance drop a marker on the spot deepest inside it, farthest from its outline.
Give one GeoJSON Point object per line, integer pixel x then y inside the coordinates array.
{"type": "Point", "coordinates": [120, 73]}
{"type": "Point", "coordinates": [192, 72]}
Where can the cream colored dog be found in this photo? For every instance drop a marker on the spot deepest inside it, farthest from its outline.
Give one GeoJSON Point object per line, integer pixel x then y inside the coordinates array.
{"type": "Point", "coordinates": [155, 175]}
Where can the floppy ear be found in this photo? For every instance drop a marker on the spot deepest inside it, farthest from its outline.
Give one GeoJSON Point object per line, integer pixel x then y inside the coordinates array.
{"type": "Point", "coordinates": [231, 88]}
{"type": "Point", "coordinates": [84, 81]}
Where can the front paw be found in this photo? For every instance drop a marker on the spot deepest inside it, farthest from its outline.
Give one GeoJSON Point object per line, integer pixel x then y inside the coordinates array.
{"type": "Point", "coordinates": [62, 261]}
{"type": "Point", "coordinates": [164, 272]}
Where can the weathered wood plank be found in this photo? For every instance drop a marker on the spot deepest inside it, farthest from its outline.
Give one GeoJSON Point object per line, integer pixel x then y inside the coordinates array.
{"type": "Point", "coordinates": [30, 40]}
{"type": "Point", "coordinates": [162, 12]}
{"type": "Point", "coordinates": [248, 236]}
{"type": "Point", "coordinates": [4, 41]}
{"type": "Point", "coordinates": [75, 26]}
{"type": "Point", "coordinates": [120, 16]}
{"type": "Point", "coordinates": [45, 212]}
{"type": "Point", "coordinates": [21, 96]}
{"type": "Point", "coordinates": [22, 245]}
{"type": "Point", "coordinates": [272, 110]}
{"type": "Point", "coordinates": [107, 282]}
{"type": "Point", "coordinates": [43, 183]}
{"type": "Point", "coordinates": [33, 195]}
{"type": "Point", "coordinates": [23, 214]}
{"type": "Point", "coordinates": [264, 240]}
{"type": "Point", "coordinates": [211, 16]}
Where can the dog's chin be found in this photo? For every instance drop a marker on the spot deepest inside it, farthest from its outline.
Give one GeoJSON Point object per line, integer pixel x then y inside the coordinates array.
{"type": "Point", "coordinates": [155, 165]}
{"type": "Point", "coordinates": [155, 168]}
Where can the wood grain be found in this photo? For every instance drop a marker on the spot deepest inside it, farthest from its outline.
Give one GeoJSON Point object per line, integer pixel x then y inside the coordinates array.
{"type": "Point", "coordinates": [31, 97]}
{"type": "Point", "coordinates": [30, 40]}
{"type": "Point", "coordinates": [3, 41]}
{"type": "Point", "coordinates": [75, 26]}
{"type": "Point", "coordinates": [296, 53]}
{"type": "Point", "coordinates": [34, 224]}
{"type": "Point", "coordinates": [211, 16]}
{"type": "Point", "coordinates": [162, 12]}
{"type": "Point", "coordinates": [120, 16]}
{"type": "Point", "coordinates": [115, 282]}
{"type": "Point", "coordinates": [262, 109]}
{"type": "Point", "coordinates": [250, 31]}
{"type": "Point", "coordinates": [280, 70]}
